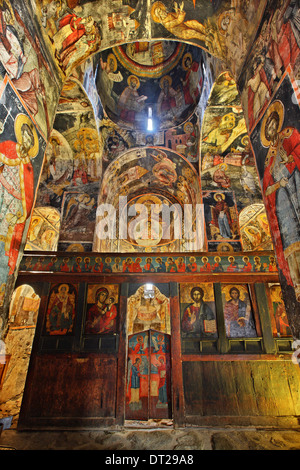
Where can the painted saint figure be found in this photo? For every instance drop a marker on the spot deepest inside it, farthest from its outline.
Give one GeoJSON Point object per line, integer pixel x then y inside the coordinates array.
{"type": "Point", "coordinates": [134, 384]}
{"type": "Point", "coordinates": [195, 315]}
{"type": "Point", "coordinates": [238, 316]}
{"type": "Point", "coordinates": [16, 186]}
{"type": "Point", "coordinates": [221, 217]}
{"type": "Point", "coordinates": [281, 182]}
{"type": "Point", "coordinates": [61, 311]}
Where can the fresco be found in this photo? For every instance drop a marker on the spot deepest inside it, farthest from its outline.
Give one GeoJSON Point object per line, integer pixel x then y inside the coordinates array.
{"type": "Point", "coordinates": [183, 139]}
{"type": "Point", "coordinates": [102, 309]}
{"type": "Point", "coordinates": [43, 232]}
{"type": "Point", "coordinates": [280, 323]}
{"type": "Point", "coordinates": [276, 47]}
{"type": "Point", "coordinates": [198, 316]}
{"type": "Point", "coordinates": [72, 169]}
{"type": "Point", "coordinates": [226, 260]}
{"type": "Point", "coordinates": [221, 217]}
{"type": "Point", "coordinates": [75, 30]}
{"type": "Point", "coordinates": [275, 143]}
{"type": "Point", "coordinates": [254, 228]}
{"type": "Point", "coordinates": [26, 63]}
{"type": "Point", "coordinates": [150, 171]}
{"type": "Point", "coordinates": [238, 315]}
{"type": "Point", "coordinates": [158, 80]}
{"type": "Point", "coordinates": [227, 164]}
{"type": "Point", "coordinates": [61, 310]}
{"type": "Point", "coordinates": [22, 151]}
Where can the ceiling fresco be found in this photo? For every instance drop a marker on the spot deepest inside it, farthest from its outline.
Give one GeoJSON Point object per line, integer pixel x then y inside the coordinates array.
{"type": "Point", "coordinates": [161, 81]}
{"type": "Point", "coordinates": [120, 72]}
{"type": "Point", "coordinates": [76, 29]}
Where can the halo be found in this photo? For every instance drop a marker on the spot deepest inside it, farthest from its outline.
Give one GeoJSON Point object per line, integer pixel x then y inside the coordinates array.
{"type": "Point", "coordinates": [222, 30]}
{"type": "Point", "coordinates": [276, 106]}
{"type": "Point", "coordinates": [188, 55]}
{"type": "Point", "coordinates": [153, 10]}
{"type": "Point", "coordinates": [112, 57]}
{"type": "Point", "coordinates": [219, 194]}
{"type": "Point", "coordinates": [187, 125]}
{"type": "Point", "coordinates": [165, 77]}
{"type": "Point", "coordinates": [19, 121]}
{"type": "Point", "coordinates": [136, 78]}
{"type": "Point", "coordinates": [242, 289]}
{"type": "Point", "coordinates": [63, 285]}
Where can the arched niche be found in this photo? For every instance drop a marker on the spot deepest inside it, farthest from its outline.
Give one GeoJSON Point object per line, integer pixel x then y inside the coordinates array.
{"type": "Point", "coordinates": [156, 183]}
{"type": "Point", "coordinates": [24, 307]}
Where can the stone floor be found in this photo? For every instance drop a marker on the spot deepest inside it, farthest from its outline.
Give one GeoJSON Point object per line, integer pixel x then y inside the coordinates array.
{"type": "Point", "coordinates": [153, 439]}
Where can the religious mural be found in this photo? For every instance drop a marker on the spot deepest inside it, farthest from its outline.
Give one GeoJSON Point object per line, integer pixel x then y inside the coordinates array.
{"type": "Point", "coordinates": [223, 261]}
{"type": "Point", "coordinates": [198, 316]}
{"type": "Point", "coordinates": [22, 151]}
{"type": "Point", "coordinates": [221, 217]}
{"type": "Point", "coordinates": [43, 232]}
{"type": "Point", "coordinates": [237, 310]}
{"type": "Point", "coordinates": [71, 172]}
{"type": "Point", "coordinates": [279, 320]}
{"type": "Point", "coordinates": [276, 47]}
{"type": "Point", "coordinates": [158, 80]}
{"type": "Point", "coordinates": [75, 30]}
{"type": "Point", "coordinates": [254, 228]}
{"type": "Point", "coordinates": [275, 141]}
{"type": "Point", "coordinates": [102, 309]}
{"type": "Point", "coordinates": [25, 62]}
{"type": "Point", "coordinates": [61, 309]}
{"type": "Point", "coordinates": [171, 181]}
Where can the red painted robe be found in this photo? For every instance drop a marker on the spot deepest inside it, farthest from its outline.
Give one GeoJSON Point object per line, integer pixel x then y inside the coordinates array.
{"type": "Point", "coordinates": [23, 190]}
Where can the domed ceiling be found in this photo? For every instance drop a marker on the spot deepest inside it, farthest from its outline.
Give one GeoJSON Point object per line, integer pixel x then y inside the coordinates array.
{"type": "Point", "coordinates": [150, 86]}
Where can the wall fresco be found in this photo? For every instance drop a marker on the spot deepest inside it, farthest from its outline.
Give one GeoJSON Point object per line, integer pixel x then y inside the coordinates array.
{"type": "Point", "coordinates": [43, 232]}
{"type": "Point", "coordinates": [276, 47]}
{"type": "Point", "coordinates": [225, 261]}
{"type": "Point", "coordinates": [280, 323]}
{"type": "Point", "coordinates": [160, 175]}
{"type": "Point", "coordinates": [275, 141]}
{"type": "Point", "coordinates": [22, 151]}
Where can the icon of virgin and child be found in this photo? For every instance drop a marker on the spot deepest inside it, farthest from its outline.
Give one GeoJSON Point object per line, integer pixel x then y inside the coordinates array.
{"type": "Point", "coordinates": [101, 317]}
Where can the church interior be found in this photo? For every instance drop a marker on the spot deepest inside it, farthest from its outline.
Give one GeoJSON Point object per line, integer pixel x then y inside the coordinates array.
{"type": "Point", "coordinates": [149, 224]}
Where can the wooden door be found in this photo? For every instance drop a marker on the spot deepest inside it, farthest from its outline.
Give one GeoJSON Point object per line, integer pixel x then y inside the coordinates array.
{"type": "Point", "coordinates": [148, 381]}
